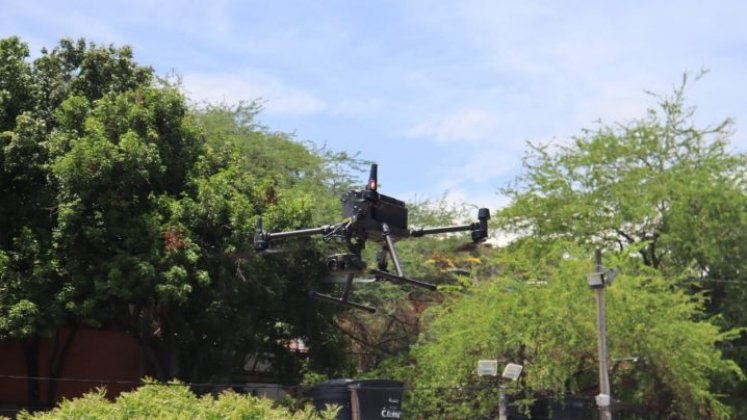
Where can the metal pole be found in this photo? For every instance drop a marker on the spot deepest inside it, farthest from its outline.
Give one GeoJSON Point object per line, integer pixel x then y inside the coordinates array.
{"type": "Point", "coordinates": [603, 400]}
{"type": "Point", "coordinates": [502, 400]}
{"type": "Point", "coordinates": [604, 397]}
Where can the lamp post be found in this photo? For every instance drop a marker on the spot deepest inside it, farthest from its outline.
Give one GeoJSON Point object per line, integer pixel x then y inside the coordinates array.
{"type": "Point", "coordinates": [597, 281]}
{"type": "Point", "coordinates": [510, 373]}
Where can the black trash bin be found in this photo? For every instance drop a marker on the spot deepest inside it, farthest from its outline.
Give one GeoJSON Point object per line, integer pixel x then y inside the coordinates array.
{"type": "Point", "coordinates": [376, 399]}
{"type": "Point", "coordinates": [369, 399]}
{"type": "Point", "coordinates": [334, 391]}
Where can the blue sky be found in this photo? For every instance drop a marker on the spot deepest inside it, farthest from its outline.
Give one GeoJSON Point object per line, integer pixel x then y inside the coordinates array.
{"type": "Point", "coordinates": [443, 95]}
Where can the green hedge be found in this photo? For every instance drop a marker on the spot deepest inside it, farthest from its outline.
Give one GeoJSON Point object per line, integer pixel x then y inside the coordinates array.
{"type": "Point", "coordinates": [175, 401]}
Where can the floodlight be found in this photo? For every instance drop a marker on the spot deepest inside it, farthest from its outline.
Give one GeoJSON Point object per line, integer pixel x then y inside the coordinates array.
{"type": "Point", "coordinates": [512, 371]}
{"type": "Point", "coordinates": [487, 368]}
{"type": "Point", "coordinates": [595, 280]}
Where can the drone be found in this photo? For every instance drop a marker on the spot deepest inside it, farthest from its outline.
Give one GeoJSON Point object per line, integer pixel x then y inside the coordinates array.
{"type": "Point", "coordinates": [369, 216]}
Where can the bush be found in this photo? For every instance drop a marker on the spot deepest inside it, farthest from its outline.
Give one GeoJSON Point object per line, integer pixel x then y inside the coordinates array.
{"type": "Point", "coordinates": [175, 400]}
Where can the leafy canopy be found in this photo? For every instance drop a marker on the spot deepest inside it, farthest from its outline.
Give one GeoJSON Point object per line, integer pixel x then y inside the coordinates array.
{"type": "Point", "coordinates": [126, 207]}
{"type": "Point", "coordinates": [539, 312]}
{"type": "Point", "coordinates": [660, 183]}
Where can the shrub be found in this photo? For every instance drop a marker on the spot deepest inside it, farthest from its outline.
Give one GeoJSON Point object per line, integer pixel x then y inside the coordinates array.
{"type": "Point", "coordinates": [175, 400]}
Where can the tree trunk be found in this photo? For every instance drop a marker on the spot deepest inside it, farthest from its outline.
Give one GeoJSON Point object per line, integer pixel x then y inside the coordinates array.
{"type": "Point", "coordinates": [30, 348]}
{"type": "Point", "coordinates": [57, 361]}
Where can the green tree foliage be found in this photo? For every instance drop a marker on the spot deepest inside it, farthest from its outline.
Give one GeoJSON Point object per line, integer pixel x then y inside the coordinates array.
{"type": "Point", "coordinates": [15, 83]}
{"type": "Point", "coordinates": [125, 208]}
{"type": "Point", "coordinates": [255, 303]}
{"type": "Point", "coordinates": [662, 186]}
{"type": "Point", "coordinates": [539, 312]}
{"type": "Point", "coordinates": [645, 183]}
{"type": "Point", "coordinates": [153, 401]}
{"type": "Point", "coordinates": [34, 296]}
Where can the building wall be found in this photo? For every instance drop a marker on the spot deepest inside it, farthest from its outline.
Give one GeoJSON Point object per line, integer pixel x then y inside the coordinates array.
{"type": "Point", "coordinates": [96, 358]}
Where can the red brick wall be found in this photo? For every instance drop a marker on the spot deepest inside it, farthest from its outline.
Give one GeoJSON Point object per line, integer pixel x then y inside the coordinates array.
{"type": "Point", "coordinates": [95, 355]}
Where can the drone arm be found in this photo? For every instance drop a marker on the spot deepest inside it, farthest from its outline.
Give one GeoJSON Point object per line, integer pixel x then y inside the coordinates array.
{"type": "Point", "coordinates": [262, 238]}
{"type": "Point", "coordinates": [420, 232]}
{"type": "Point", "coordinates": [322, 230]}
{"type": "Point", "coordinates": [479, 229]}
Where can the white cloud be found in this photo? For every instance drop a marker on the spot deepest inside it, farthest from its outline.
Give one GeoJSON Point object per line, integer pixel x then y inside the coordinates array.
{"type": "Point", "coordinates": [213, 21]}
{"type": "Point", "coordinates": [471, 80]}
{"type": "Point", "coordinates": [473, 125]}
{"type": "Point", "coordinates": [360, 107]}
{"type": "Point", "coordinates": [486, 167]}
{"type": "Point", "coordinates": [477, 198]}
{"type": "Point", "coordinates": [281, 98]}
{"type": "Point", "coordinates": [68, 22]}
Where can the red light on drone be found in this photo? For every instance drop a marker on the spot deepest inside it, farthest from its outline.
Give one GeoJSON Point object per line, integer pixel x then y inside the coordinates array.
{"type": "Point", "coordinates": [372, 179]}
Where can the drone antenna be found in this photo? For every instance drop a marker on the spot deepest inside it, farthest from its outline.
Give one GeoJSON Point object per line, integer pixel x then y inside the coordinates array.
{"type": "Point", "coordinates": [373, 179]}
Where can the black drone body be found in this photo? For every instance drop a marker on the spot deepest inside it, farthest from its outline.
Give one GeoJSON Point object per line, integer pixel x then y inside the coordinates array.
{"type": "Point", "coordinates": [370, 216]}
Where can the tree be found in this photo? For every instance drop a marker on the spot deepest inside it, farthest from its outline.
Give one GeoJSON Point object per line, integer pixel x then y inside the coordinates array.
{"type": "Point", "coordinates": [16, 93]}
{"type": "Point", "coordinates": [128, 209]}
{"type": "Point", "coordinates": [630, 185]}
{"type": "Point", "coordinates": [162, 250]}
{"type": "Point", "coordinates": [539, 312]}
{"type": "Point", "coordinates": [31, 94]}
{"type": "Point", "coordinates": [253, 304]}
{"type": "Point", "coordinates": [661, 186]}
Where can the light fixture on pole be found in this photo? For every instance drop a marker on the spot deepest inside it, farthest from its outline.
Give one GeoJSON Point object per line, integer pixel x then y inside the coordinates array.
{"type": "Point", "coordinates": [510, 373]}
{"type": "Point", "coordinates": [597, 281]}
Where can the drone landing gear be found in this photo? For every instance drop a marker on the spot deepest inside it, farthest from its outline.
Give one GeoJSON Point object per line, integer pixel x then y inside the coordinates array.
{"type": "Point", "coordinates": [344, 300]}
{"type": "Point", "coordinates": [383, 274]}
{"type": "Point", "coordinates": [380, 273]}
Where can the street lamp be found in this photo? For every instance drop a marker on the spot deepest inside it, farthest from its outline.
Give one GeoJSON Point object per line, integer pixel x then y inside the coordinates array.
{"type": "Point", "coordinates": [510, 373]}
{"type": "Point", "coordinates": [597, 281]}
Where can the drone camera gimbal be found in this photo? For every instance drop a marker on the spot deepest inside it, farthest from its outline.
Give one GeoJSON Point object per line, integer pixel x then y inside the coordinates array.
{"type": "Point", "coordinates": [370, 216]}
